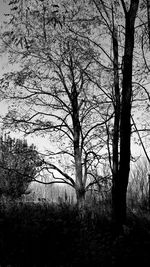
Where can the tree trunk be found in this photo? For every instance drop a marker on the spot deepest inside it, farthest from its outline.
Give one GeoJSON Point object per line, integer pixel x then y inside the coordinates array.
{"type": "Point", "coordinates": [149, 192]}
{"type": "Point", "coordinates": [121, 183]}
{"type": "Point", "coordinates": [116, 118]}
{"type": "Point", "coordinates": [80, 186]}
{"type": "Point", "coordinates": [80, 194]}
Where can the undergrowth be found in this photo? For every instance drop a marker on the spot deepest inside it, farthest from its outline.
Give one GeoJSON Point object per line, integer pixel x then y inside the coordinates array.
{"type": "Point", "coordinates": [44, 234]}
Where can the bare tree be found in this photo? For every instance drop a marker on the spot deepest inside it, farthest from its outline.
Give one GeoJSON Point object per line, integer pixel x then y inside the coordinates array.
{"type": "Point", "coordinates": [53, 93]}
{"type": "Point", "coordinates": [80, 59]}
{"type": "Point", "coordinates": [116, 22]}
{"type": "Point", "coordinates": [120, 188]}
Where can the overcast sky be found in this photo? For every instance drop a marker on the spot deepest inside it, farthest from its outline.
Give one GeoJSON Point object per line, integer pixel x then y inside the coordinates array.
{"type": "Point", "coordinates": [3, 7]}
{"type": "Point", "coordinates": [3, 59]}
{"type": "Point", "coordinates": [3, 10]}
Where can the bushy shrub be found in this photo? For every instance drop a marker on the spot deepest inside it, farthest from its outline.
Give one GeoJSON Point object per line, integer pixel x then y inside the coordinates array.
{"type": "Point", "coordinates": [17, 166]}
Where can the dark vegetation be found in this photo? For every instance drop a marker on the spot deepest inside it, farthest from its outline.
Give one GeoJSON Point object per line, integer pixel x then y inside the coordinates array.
{"type": "Point", "coordinates": [45, 234]}
{"type": "Point", "coordinates": [18, 166]}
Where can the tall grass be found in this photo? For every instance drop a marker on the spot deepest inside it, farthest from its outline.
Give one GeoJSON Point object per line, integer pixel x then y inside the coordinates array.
{"type": "Point", "coordinates": [138, 188]}
{"type": "Point", "coordinates": [99, 202]}
{"type": "Point", "coordinates": [49, 231]}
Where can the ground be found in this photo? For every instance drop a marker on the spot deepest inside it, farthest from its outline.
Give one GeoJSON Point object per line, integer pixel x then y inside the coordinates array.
{"type": "Point", "coordinates": [47, 235]}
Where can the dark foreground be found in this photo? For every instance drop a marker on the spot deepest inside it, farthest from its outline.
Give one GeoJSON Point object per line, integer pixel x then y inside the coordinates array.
{"type": "Point", "coordinates": [44, 235]}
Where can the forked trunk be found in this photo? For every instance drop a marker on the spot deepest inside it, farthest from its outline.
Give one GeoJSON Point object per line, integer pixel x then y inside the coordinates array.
{"type": "Point", "coordinates": [120, 180]}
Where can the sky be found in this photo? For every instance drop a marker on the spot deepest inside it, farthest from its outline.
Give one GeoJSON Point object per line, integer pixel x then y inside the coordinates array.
{"type": "Point", "coordinates": [3, 8]}
{"type": "Point", "coordinates": [3, 60]}
{"type": "Point", "coordinates": [40, 143]}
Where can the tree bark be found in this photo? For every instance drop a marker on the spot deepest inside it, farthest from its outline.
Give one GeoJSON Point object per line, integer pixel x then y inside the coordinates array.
{"type": "Point", "coordinates": [149, 192]}
{"type": "Point", "coordinates": [120, 188]}
{"type": "Point", "coordinates": [80, 187]}
{"type": "Point", "coordinates": [80, 194]}
{"type": "Point", "coordinates": [116, 103]}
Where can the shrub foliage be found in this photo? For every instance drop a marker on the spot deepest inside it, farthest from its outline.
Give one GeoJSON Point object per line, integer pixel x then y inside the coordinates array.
{"type": "Point", "coordinates": [18, 163]}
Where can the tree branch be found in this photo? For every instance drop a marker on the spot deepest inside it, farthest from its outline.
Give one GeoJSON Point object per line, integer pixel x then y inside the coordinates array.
{"type": "Point", "coordinates": [98, 125]}
{"type": "Point", "coordinates": [54, 167]}
{"type": "Point", "coordinates": [124, 7]}
{"type": "Point", "coordinates": [140, 140]}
